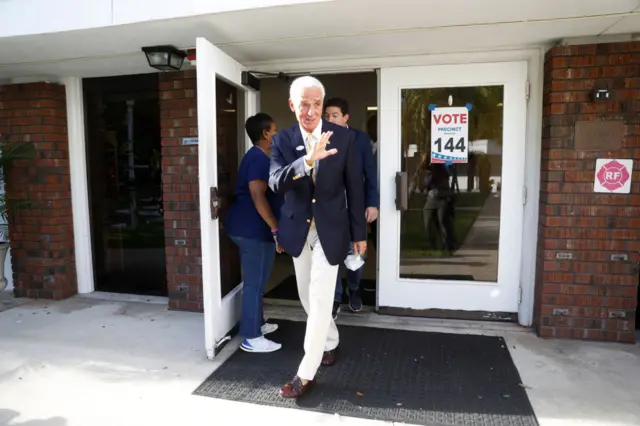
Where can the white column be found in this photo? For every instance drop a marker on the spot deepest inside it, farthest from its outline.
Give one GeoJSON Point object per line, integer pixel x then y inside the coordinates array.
{"type": "Point", "coordinates": [79, 184]}
{"type": "Point", "coordinates": [533, 147]}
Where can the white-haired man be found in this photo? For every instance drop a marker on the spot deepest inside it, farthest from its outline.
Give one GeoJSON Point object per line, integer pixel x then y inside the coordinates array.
{"type": "Point", "coordinates": [316, 166]}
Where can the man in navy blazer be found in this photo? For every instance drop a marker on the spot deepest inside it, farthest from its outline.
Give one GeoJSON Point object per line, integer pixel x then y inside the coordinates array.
{"type": "Point", "coordinates": [336, 111]}
{"type": "Point", "coordinates": [315, 165]}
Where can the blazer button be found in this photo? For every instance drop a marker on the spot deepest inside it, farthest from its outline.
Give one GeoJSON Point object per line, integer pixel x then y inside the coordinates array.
{"type": "Point", "coordinates": [313, 201]}
{"type": "Point", "coordinates": [308, 220]}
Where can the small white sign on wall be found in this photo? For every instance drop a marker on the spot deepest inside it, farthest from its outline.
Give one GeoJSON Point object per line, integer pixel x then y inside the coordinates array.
{"type": "Point", "coordinates": [189, 141]}
{"type": "Point", "coordinates": [613, 176]}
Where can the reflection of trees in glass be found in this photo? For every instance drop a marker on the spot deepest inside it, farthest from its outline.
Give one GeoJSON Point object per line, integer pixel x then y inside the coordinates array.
{"type": "Point", "coordinates": [485, 120]}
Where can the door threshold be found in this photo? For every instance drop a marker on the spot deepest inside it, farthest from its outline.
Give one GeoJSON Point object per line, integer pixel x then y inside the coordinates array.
{"type": "Point", "coordinates": [375, 320]}
{"type": "Point", "coordinates": [280, 302]}
{"type": "Point", "coordinates": [123, 297]}
{"type": "Point", "coordinates": [296, 304]}
{"type": "Point", "coordinates": [451, 314]}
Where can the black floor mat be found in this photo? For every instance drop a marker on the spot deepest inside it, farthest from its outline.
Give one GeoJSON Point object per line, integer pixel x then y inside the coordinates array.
{"type": "Point", "coordinates": [391, 375]}
{"type": "Point", "coordinates": [288, 290]}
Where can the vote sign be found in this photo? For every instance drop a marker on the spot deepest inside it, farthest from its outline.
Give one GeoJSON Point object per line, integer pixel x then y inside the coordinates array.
{"type": "Point", "coordinates": [450, 135]}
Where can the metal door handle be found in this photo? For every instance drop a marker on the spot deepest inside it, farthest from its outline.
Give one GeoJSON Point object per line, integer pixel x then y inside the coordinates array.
{"type": "Point", "coordinates": [402, 196]}
{"type": "Point", "coordinates": [214, 203]}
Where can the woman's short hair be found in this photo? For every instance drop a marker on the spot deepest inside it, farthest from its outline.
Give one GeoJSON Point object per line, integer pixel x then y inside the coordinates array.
{"type": "Point", "coordinates": [256, 125]}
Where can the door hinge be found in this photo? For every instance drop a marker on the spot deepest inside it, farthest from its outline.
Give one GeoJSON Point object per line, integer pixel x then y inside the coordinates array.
{"type": "Point", "coordinates": [520, 294]}
{"type": "Point", "coordinates": [527, 89]}
{"type": "Point", "coordinates": [524, 195]}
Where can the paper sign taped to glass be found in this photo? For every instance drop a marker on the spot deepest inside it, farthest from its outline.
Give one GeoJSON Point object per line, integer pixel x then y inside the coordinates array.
{"type": "Point", "coordinates": [450, 134]}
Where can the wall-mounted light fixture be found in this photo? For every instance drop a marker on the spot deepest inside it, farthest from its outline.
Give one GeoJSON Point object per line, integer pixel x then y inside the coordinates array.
{"type": "Point", "coordinates": [600, 95]}
{"type": "Point", "coordinates": [165, 58]}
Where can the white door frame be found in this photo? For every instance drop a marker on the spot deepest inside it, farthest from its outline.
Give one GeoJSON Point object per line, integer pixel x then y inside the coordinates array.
{"type": "Point", "coordinates": [500, 296]}
{"type": "Point", "coordinates": [221, 314]}
{"type": "Point", "coordinates": [534, 56]}
{"type": "Point", "coordinates": [79, 178]}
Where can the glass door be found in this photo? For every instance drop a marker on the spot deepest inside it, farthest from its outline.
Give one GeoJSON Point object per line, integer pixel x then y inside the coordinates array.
{"type": "Point", "coordinates": [125, 178]}
{"type": "Point", "coordinates": [452, 156]}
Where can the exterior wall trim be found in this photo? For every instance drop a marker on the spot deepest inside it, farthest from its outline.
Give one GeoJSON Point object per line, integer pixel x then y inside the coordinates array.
{"type": "Point", "coordinates": [79, 184]}
{"type": "Point", "coordinates": [533, 156]}
{"type": "Point", "coordinates": [354, 64]}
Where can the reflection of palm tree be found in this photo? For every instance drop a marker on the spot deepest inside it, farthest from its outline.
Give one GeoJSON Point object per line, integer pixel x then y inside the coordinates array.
{"type": "Point", "coordinates": [415, 130]}
{"type": "Point", "coordinates": [485, 119]}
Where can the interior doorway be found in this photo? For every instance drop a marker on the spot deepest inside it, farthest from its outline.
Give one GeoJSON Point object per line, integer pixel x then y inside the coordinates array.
{"type": "Point", "coordinates": [125, 179]}
{"type": "Point", "coordinates": [360, 91]}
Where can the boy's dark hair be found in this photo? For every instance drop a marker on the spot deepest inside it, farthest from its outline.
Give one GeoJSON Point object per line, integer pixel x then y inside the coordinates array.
{"type": "Point", "coordinates": [338, 103]}
{"type": "Point", "coordinates": [256, 125]}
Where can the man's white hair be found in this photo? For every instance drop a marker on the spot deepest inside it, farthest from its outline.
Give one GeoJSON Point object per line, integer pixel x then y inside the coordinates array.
{"type": "Point", "coordinates": [301, 83]}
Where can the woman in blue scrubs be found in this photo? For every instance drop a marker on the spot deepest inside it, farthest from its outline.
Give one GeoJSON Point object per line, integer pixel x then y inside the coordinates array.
{"type": "Point", "coordinates": [252, 224]}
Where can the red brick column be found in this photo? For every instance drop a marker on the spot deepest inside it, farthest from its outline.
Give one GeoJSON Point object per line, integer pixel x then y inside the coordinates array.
{"type": "Point", "coordinates": [589, 295]}
{"type": "Point", "coordinates": [179, 118]}
{"type": "Point", "coordinates": [42, 232]}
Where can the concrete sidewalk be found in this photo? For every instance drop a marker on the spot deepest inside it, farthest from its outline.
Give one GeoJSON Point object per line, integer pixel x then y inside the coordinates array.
{"type": "Point", "coordinates": [87, 362]}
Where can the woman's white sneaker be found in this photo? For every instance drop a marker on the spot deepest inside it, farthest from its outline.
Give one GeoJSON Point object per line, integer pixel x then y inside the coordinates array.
{"type": "Point", "coordinates": [268, 328]}
{"type": "Point", "coordinates": [259, 345]}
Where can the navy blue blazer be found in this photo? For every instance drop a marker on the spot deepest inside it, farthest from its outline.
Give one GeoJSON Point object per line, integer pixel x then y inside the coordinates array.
{"type": "Point", "coordinates": [335, 201]}
{"type": "Point", "coordinates": [369, 168]}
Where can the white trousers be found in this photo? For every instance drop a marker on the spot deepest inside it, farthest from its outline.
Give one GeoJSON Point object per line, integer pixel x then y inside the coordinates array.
{"type": "Point", "coordinates": [316, 280]}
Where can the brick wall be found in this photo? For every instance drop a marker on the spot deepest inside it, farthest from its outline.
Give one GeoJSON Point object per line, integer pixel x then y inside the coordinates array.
{"type": "Point", "coordinates": [582, 297]}
{"type": "Point", "coordinates": [41, 232]}
{"type": "Point", "coordinates": [179, 118]}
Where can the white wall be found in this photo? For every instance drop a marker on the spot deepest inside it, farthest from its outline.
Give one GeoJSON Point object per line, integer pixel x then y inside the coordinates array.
{"type": "Point", "coordinates": [360, 90]}
{"type": "Point", "coordinates": [129, 11]}
{"type": "Point", "coordinates": [24, 17]}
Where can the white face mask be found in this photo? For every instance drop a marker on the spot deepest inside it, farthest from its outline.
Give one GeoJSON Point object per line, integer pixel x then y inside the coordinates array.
{"type": "Point", "coordinates": [354, 261]}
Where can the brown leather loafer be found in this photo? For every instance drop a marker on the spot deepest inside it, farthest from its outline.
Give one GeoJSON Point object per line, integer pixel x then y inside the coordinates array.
{"type": "Point", "coordinates": [295, 388]}
{"type": "Point", "coordinates": [329, 357]}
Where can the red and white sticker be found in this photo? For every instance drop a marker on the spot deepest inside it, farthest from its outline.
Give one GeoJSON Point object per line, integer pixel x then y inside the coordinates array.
{"type": "Point", "coordinates": [613, 176]}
